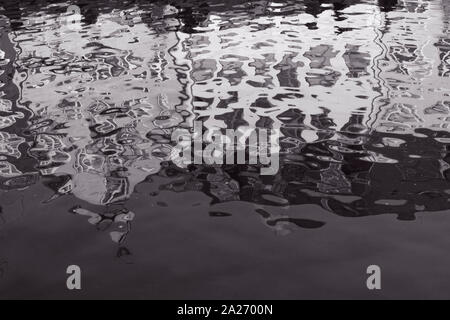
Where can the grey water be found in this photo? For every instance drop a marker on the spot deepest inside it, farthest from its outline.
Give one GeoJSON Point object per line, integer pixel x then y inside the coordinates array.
{"type": "Point", "coordinates": [89, 99]}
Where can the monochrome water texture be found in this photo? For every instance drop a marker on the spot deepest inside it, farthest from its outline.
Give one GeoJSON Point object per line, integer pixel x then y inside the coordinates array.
{"type": "Point", "coordinates": [93, 92]}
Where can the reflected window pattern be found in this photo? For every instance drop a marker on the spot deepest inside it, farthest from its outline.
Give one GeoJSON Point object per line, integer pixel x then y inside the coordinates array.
{"type": "Point", "coordinates": [358, 89]}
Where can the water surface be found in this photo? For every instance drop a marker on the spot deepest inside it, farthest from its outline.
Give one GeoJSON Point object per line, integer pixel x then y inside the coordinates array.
{"type": "Point", "coordinates": [360, 91]}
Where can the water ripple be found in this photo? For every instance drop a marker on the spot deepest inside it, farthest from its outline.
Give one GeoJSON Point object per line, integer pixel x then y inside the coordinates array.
{"type": "Point", "coordinates": [358, 89]}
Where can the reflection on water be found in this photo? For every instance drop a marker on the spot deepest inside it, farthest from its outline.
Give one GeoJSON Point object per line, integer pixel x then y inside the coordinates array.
{"type": "Point", "coordinates": [359, 89]}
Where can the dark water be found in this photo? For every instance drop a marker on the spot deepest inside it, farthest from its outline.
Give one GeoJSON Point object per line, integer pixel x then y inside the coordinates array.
{"type": "Point", "coordinates": [360, 91]}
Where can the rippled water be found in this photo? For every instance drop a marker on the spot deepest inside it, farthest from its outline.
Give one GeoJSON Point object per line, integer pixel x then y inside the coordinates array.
{"type": "Point", "coordinates": [360, 91]}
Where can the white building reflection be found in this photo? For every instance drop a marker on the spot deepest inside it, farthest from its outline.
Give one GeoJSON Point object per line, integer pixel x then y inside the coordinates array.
{"type": "Point", "coordinates": [105, 98]}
